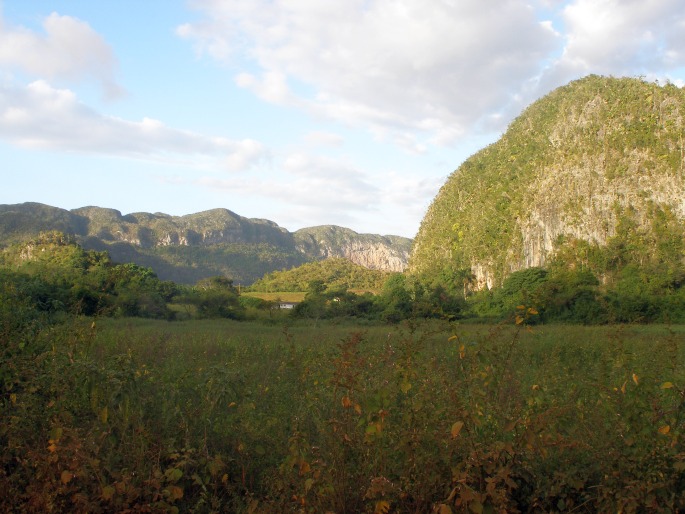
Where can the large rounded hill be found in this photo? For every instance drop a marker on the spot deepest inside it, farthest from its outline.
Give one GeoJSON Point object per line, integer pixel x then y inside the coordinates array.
{"type": "Point", "coordinates": [596, 164]}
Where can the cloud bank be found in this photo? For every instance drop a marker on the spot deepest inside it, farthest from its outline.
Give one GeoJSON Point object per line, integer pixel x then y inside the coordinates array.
{"type": "Point", "coordinates": [413, 71]}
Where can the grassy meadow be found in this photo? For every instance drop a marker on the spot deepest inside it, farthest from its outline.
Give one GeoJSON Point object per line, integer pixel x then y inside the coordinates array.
{"type": "Point", "coordinates": [133, 415]}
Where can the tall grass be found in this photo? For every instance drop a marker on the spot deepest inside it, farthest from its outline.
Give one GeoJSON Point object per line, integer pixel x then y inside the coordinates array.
{"type": "Point", "coordinates": [221, 416]}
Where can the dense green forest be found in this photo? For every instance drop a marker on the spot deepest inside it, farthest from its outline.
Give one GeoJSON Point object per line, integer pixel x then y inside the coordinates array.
{"type": "Point", "coordinates": [58, 276]}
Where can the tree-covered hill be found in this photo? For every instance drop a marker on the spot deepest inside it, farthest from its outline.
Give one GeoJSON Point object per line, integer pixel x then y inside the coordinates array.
{"type": "Point", "coordinates": [335, 273]}
{"type": "Point", "coordinates": [590, 176]}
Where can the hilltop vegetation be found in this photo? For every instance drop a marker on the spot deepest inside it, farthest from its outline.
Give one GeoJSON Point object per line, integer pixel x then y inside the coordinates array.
{"type": "Point", "coordinates": [56, 277]}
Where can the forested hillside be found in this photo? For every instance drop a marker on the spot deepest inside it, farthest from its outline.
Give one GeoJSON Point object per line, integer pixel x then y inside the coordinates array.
{"type": "Point", "coordinates": [334, 273]}
{"type": "Point", "coordinates": [597, 165]}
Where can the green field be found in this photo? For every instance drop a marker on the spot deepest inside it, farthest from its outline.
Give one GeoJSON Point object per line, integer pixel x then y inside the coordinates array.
{"type": "Point", "coordinates": [273, 297]}
{"type": "Point", "coordinates": [132, 415]}
{"type": "Point", "coordinates": [295, 297]}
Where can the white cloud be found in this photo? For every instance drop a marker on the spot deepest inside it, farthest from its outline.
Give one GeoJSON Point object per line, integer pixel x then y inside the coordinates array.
{"type": "Point", "coordinates": [69, 49]}
{"type": "Point", "coordinates": [313, 187]}
{"type": "Point", "coordinates": [42, 117]}
{"type": "Point", "coordinates": [619, 37]}
{"type": "Point", "coordinates": [243, 154]}
{"type": "Point", "coordinates": [392, 66]}
{"type": "Point", "coordinates": [328, 183]}
{"type": "Point", "coordinates": [272, 86]}
{"type": "Point", "coordinates": [322, 138]}
{"type": "Point", "coordinates": [426, 74]}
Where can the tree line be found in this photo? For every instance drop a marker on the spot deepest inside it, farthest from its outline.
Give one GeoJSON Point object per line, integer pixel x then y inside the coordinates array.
{"type": "Point", "coordinates": [584, 284]}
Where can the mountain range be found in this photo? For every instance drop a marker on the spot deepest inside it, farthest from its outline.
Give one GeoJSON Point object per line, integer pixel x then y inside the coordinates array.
{"type": "Point", "coordinates": [188, 248]}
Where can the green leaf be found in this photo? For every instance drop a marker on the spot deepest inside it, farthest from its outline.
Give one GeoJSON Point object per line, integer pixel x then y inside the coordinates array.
{"type": "Point", "coordinates": [173, 474]}
{"type": "Point", "coordinates": [308, 484]}
{"type": "Point", "coordinates": [108, 492]}
{"type": "Point", "coordinates": [56, 434]}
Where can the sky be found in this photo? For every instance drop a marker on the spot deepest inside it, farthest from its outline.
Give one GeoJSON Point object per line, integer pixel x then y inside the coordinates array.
{"type": "Point", "coordinates": [303, 112]}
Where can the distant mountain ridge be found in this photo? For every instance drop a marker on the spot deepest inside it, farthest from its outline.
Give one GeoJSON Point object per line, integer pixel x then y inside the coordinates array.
{"type": "Point", "coordinates": [213, 242]}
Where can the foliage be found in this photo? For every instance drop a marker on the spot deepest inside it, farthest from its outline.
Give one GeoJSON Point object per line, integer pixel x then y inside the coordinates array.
{"type": "Point", "coordinates": [399, 299]}
{"type": "Point", "coordinates": [215, 297]}
{"type": "Point", "coordinates": [636, 294]}
{"type": "Point", "coordinates": [215, 416]}
{"type": "Point", "coordinates": [396, 298]}
{"type": "Point", "coordinates": [58, 275]}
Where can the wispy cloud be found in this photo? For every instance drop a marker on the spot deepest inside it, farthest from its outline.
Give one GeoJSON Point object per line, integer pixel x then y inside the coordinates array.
{"type": "Point", "coordinates": [40, 116]}
{"type": "Point", "coordinates": [322, 138]}
{"type": "Point", "coordinates": [334, 191]}
{"type": "Point", "coordinates": [312, 181]}
{"type": "Point", "coordinates": [623, 37]}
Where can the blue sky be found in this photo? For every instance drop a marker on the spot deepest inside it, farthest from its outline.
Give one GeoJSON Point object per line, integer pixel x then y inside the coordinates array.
{"type": "Point", "coordinates": [345, 112]}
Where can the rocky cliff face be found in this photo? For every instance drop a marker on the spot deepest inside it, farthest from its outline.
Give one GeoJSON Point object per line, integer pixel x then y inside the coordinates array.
{"type": "Point", "coordinates": [594, 205]}
{"type": "Point", "coordinates": [573, 166]}
{"type": "Point", "coordinates": [387, 253]}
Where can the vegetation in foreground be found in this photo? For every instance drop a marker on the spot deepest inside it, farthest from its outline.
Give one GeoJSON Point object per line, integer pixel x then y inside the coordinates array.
{"type": "Point", "coordinates": [131, 415]}
{"type": "Point", "coordinates": [383, 404]}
